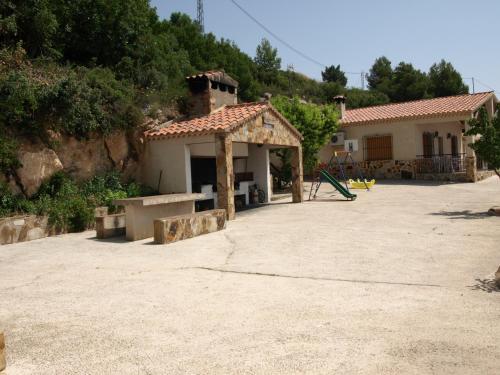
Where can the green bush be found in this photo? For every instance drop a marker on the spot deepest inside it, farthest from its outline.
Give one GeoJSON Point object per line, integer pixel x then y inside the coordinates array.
{"type": "Point", "coordinates": [70, 206]}
{"type": "Point", "coordinates": [8, 155]}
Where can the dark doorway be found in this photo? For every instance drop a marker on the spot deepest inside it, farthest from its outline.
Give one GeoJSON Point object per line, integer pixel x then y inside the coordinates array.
{"type": "Point", "coordinates": [203, 172]}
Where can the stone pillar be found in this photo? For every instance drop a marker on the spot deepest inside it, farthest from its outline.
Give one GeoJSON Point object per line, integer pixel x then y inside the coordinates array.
{"type": "Point", "coordinates": [470, 160]}
{"type": "Point", "coordinates": [2, 352]}
{"type": "Point", "coordinates": [297, 175]}
{"type": "Point", "coordinates": [225, 175]}
{"type": "Point", "coordinates": [470, 168]}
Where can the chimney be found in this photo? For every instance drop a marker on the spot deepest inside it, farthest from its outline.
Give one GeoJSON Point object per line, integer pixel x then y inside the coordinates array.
{"type": "Point", "coordinates": [340, 103]}
{"type": "Point", "coordinates": [209, 91]}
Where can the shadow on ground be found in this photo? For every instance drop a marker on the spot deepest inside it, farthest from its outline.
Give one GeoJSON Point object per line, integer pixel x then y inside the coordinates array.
{"type": "Point", "coordinates": [466, 214]}
{"type": "Point", "coordinates": [486, 285]}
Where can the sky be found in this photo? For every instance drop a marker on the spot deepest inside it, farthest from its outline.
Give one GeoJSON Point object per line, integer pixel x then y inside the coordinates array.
{"type": "Point", "coordinates": [353, 33]}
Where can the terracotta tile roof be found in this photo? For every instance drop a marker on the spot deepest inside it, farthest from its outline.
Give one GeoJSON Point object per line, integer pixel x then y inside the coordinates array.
{"type": "Point", "coordinates": [223, 119]}
{"type": "Point", "coordinates": [438, 107]}
{"type": "Point", "coordinates": [216, 76]}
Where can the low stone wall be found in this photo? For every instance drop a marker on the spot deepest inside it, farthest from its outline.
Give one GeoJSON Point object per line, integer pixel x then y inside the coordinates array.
{"type": "Point", "coordinates": [481, 175]}
{"type": "Point", "coordinates": [23, 228]}
{"type": "Point", "coordinates": [177, 228]}
{"type": "Point", "coordinates": [380, 169]}
{"type": "Point", "coordinates": [407, 169]}
{"type": "Point", "coordinates": [449, 177]}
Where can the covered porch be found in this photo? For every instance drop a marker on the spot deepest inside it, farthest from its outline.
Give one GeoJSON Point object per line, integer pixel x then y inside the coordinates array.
{"type": "Point", "coordinates": [229, 164]}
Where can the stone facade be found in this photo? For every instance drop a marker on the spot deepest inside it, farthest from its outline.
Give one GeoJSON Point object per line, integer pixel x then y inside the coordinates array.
{"type": "Point", "coordinates": [407, 169]}
{"type": "Point", "coordinates": [177, 228]}
{"type": "Point", "coordinates": [380, 169]}
{"type": "Point", "coordinates": [268, 129]}
{"type": "Point", "coordinates": [225, 175]}
{"type": "Point", "coordinates": [470, 168]}
{"type": "Point", "coordinates": [23, 228]}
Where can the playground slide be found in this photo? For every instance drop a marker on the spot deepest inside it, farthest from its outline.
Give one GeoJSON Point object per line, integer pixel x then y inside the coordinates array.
{"type": "Point", "coordinates": [337, 185]}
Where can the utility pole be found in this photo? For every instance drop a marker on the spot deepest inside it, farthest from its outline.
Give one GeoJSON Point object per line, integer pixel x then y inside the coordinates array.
{"type": "Point", "coordinates": [473, 86]}
{"type": "Point", "coordinates": [362, 80]}
{"type": "Point", "coordinates": [201, 16]}
{"type": "Point", "coordinates": [290, 70]}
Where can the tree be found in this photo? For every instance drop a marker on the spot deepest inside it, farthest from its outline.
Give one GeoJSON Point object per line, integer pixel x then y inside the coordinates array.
{"type": "Point", "coordinates": [267, 60]}
{"type": "Point", "coordinates": [334, 74]}
{"type": "Point", "coordinates": [380, 75]}
{"type": "Point", "coordinates": [408, 83]}
{"type": "Point", "coordinates": [316, 123]}
{"type": "Point", "coordinates": [357, 98]}
{"type": "Point", "coordinates": [445, 80]}
{"type": "Point", "coordinates": [487, 145]}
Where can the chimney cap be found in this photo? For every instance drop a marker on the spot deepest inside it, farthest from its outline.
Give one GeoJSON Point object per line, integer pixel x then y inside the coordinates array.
{"type": "Point", "coordinates": [339, 99]}
{"type": "Point", "coordinates": [219, 76]}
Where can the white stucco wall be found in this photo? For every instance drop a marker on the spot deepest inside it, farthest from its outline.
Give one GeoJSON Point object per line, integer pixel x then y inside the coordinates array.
{"type": "Point", "coordinates": [258, 163]}
{"type": "Point", "coordinates": [406, 137]}
{"type": "Point", "coordinates": [172, 157]}
{"type": "Point", "coordinates": [443, 129]}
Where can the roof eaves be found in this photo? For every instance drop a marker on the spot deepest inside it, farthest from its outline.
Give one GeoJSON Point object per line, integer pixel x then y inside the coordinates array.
{"type": "Point", "coordinates": [408, 118]}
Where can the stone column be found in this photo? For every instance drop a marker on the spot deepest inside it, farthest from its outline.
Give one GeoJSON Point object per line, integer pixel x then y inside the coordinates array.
{"type": "Point", "coordinates": [470, 160]}
{"type": "Point", "coordinates": [2, 352]}
{"type": "Point", "coordinates": [297, 175]}
{"type": "Point", "coordinates": [225, 175]}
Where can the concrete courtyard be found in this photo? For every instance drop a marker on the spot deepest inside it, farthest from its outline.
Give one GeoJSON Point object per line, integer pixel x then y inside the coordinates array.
{"type": "Point", "coordinates": [397, 282]}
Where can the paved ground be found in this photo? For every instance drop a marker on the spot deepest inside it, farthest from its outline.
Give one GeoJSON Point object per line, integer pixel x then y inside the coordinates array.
{"type": "Point", "coordinates": [397, 282]}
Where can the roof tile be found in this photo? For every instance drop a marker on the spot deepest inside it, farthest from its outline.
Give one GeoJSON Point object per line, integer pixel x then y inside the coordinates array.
{"type": "Point", "coordinates": [438, 107]}
{"type": "Point", "coordinates": [222, 119]}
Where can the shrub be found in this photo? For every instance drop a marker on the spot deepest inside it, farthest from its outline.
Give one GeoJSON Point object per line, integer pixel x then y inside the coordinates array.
{"type": "Point", "coordinates": [8, 155]}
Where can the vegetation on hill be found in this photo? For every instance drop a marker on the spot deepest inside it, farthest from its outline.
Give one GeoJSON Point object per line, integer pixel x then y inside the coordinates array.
{"type": "Point", "coordinates": [93, 66]}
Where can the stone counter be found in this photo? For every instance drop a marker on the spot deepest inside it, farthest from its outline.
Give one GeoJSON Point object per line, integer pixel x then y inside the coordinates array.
{"type": "Point", "coordinates": [140, 212]}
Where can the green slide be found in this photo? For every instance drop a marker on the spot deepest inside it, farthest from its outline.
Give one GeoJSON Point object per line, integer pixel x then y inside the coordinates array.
{"type": "Point", "coordinates": [337, 185]}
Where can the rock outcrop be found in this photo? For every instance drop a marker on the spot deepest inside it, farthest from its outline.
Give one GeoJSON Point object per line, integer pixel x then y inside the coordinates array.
{"type": "Point", "coordinates": [118, 149]}
{"type": "Point", "coordinates": [83, 159]}
{"type": "Point", "coordinates": [38, 164]}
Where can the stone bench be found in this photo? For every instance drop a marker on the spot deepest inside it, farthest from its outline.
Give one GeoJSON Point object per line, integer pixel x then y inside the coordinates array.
{"type": "Point", "coordinates": [110, 226]}
{"type": "Point", "coordinates": [177, 228]}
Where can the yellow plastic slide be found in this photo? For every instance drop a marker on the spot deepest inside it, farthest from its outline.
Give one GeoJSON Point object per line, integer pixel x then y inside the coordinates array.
{"type": "Point", "coordinates": [360, 184]}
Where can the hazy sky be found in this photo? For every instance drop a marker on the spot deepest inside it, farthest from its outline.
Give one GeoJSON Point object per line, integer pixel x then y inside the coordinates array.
{"type": "Point", "coordinates": [353, 33]}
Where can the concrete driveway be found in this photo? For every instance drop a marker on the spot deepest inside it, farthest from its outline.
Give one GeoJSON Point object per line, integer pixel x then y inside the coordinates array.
{"type": "Point", "coordinates": [396, 282]}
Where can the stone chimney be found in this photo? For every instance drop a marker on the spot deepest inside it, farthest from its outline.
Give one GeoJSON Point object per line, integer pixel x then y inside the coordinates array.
{"type": "Point", "coordinates": [340, 103]}
{"type": "Point", "coordinates": [209, 91]}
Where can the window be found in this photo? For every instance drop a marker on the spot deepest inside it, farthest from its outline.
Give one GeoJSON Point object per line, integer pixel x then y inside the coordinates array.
{"type": "Point", "coordinates": [378, 148]}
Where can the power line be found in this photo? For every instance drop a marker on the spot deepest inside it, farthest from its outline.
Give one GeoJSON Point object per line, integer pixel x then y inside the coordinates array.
{"type": "Point", "coordinates": [474, 80]}
{"type": "Point", "coordinates": [281, 40]}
